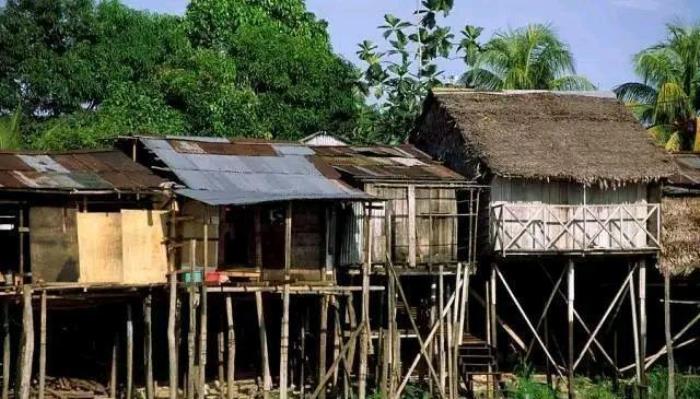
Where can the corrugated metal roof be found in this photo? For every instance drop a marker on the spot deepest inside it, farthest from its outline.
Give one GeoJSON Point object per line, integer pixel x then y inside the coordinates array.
{"type": "Point", "coordinates": [246, 172]}
{"type": "Point", "coordinates": [688, 173]}
{"type": "Point", "coordinates": [96, 170]}
{"type": "Point", "coordinates": [404, 162]}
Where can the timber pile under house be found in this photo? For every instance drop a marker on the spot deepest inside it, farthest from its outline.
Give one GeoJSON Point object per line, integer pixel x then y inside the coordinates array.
{"type": "Point", "coordinates": [516, 226]}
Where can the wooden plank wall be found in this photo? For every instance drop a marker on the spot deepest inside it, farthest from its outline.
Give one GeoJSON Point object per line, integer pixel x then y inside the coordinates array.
{"type": "Point", "coordinates": [195, 214]}
{"type": "Point", "coordinates": [53, 244]}
{"type": "Point", "coordinates": [144, 255]}
{"type": "Point", "coordinates": [100, 247]}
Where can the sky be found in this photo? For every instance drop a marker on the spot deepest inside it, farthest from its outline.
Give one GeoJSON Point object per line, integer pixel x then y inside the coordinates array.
{"type": "Point", "coordinates": [603, 34]}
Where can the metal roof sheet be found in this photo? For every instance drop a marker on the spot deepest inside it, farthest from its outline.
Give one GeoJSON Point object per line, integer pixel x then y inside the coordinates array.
{"type": "Point", "coordinates": [238, 173]}
{"type": "Point", "coordinates": [74, 171]}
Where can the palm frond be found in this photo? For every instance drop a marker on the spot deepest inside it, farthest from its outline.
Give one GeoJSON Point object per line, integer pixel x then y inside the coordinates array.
{"type": "Point", "coordinates": [482, 79]}
{"type": "Point", "coordinates": [636, 92]}
{"type": "Point", "coordinates": [671, 104]}
{"type": "Point", "coordinates": [572, 82]}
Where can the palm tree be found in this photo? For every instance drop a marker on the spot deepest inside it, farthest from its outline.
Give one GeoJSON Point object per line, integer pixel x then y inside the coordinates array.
{"type": "Point", "coordinates": [667, 100]}
{"type": "Point", "coordinates": [10, 134]}
{"type": "Point", "coordinates": [531, 57]}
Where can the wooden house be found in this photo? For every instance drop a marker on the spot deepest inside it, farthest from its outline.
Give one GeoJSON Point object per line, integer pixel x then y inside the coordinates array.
{"type": "Point", "coordinates": [432, 209]}
{"type": "Point", "coordinates": [80, 217]}
{"type": "Point", "coordinates": [574, 190]}
{"type": "Point", "coordinates": [264, 209]}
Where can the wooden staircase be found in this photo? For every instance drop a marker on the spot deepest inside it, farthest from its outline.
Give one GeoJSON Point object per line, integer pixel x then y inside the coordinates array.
{"type": "Point", "coordinates": [478, 358]}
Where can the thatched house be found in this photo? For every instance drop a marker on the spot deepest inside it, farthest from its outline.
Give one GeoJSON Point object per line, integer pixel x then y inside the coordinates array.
{"type": "Point", "coordinates": [681, 217]}
{"type": "Point", "coordinates": [554, 162]}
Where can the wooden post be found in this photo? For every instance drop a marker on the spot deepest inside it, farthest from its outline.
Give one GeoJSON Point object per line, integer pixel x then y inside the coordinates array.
{"type": "Point", "coordinates": [24, 370]}
{"type": "Point", "coordinates": [113, 367]}
{"type": "Point", "coordinates": [492, 305]}
{"type": "Point", "coordinates": [441, 326]}
{"type": "Point", "coordinates": [642, 323]}
{"type": "Point", "coordinates": [220, 356]}
{"type": "Point", "coordinates": [129, 352]}
{"type": "Point", "coordinates": [203, 341]}
{"type": "Point", "coordinates": [639, 362]}
{"type": "Point", "coordinates": [411, 223]}
{"type": "Point", "coordinates": [267, 381]}
{"type": "Point", "coordinates": [337, 337]}
{"type": "Point", "coordinates": [6, 350]}
{"type": "Point", "coordinates": [148, 345]}
{"type": "Point", "coordinates": [42, 346]}
{"type": "Point", "coordinates": [231, 348]}
{"type": "Point", "coordinates": [570, 319]}
{"type": "Point", "coordinates": [489, 341]}
{"type": "Point", "coordinates": [667, 331]}
{"type": "Point", "coordinates": [172, 343]}
{"type": "Point", "coordinates": [192, 323]}
{"type": "Point", "coordinates": [365, 331]}
{"type": "Point", "coordinates": [284, 333]}
{"type": "Point", "coordinates": [322, 341]}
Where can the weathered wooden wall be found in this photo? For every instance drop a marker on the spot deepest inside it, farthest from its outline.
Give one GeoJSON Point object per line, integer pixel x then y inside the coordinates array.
{"type": "Point", "coordinates": [53, 244]}
{"type": "Point", "coordinates": [100, 247]}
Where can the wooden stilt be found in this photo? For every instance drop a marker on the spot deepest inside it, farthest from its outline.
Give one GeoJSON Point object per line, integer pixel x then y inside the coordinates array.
{"type": "Point", "coordinates": [220, 357]}
{"type": "Point", "coordinates": [24, 370]}
{"type": "Point", "coordinates": [639, 362]}
{"type": "Point", "coordinates": [192, 324]}
{"type": "Point", "coordinates": [148, 346]}
{"type": "Point", "coordinates": [365, 334]}
{"type": "Point", "coordinates": [6, 350]}
{"type": "Point", "coordinates": [172, 342]}
{"type": "Point", "coordinates": [267, 380]}
{"type": "Point", "coordinates": [113, 367]}
{"type": "Point", "coordinates": [492, 304]}
{"type": "Point", "coordinates": [487, 312]}
{"type": "Point", "coordinates": [667, 332]}
{"type": "Point", "coordinates": [129, 352]}
{"type": "Point", "coordinates": [231, 348]}
{"type": "Point", "coordinates": [202, 341]}
{"type": "Point", "coordinates": [336, 336]}
{"type": "Point", "coordinates": [42, 346]}
{"type": "Point", "coordinates": [642, 324]}
{"type": "Point", "coordinates": [322, 341]}
{"type": "Point", "coordinates": [284, 334]}
{"type": "Point", "coordinates": [352, 344]}
{"type": "Point", "coordinates": [302, 361]}
{"type": "Point", "coordinates": [570, 319]}
{"type": "Point", "coordinates": [335, 364]}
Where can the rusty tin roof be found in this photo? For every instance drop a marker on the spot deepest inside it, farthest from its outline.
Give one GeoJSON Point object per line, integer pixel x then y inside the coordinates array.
{"type": "Point", "coordinates": [219, 171]}
{"type": "Point", "coordinates": [397, 163]}
{"type": "Point", "coordinates": [74, 171]}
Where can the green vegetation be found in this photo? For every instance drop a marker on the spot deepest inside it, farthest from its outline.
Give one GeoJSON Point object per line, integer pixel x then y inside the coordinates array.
{"type": "Point", "coordinates": [532, 57]}
{"type": "Point", "coordinates": [668, 98]}
{"type": "Point", "coordinates": [83, 72]}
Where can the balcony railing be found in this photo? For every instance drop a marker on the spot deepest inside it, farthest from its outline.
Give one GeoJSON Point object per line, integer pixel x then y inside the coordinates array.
{"type": "Point", "coordinates": [545, 228]}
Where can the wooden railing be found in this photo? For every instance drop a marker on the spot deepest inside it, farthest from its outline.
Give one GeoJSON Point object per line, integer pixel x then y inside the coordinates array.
{"type": "Point", "coordinates": [546, 228]}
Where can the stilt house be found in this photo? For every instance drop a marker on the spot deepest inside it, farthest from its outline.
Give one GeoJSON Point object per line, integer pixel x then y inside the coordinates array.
{"type": "Point", "coordinates": [80, 218]}
{"type": "Point", "coordinates": [263, 209]}
{"type": "Point", "coordinates": [574, 184]}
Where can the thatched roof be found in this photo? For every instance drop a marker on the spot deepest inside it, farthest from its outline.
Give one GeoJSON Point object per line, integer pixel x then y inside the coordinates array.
{"type": "Point", "coordinates": [681, 234]}
{"type": "Point", "coordinates": [579, 137]}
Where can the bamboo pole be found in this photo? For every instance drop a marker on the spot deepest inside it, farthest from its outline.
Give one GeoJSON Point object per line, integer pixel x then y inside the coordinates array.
{"type": "Point", "coordinates": [129, 352]}
{"type": "Point", "coordinates": [192, 323]}
{"type": "Point", "coordinates": [262, 331]}
{"type": "Point", "coordinates": [231, 348]}
{"type": "Point", "coordinates": [642, 324]}
{"type": "Point", "coordinates": [148, 345]}
{"type": "Point", "coordinates": [24, 370]}
{"type": "Point", "coordinates": [220, 356]}
{"type": "Point", "coordinates": [6, 350]}
{"type": "Point", "coordinates": [42, 346]}
{"type": "Point", "coordinates": [441, 326]}
{"type": "Point", "coordinates": [322, 341]}
{"type": "Point", "coordinates": [635, 334]}
{"type": "Point", "coordinates": [284, 333]}
{"type": "Point", "coordinates": [172, 342]}
{"type": "Point", "coordinates": [667, 332]}
{"type": "Point", "coordinates": [570, 319]}
{"type": "Point", "coordinates": [334, 366]}
{"type": "Point", "coordinates": [365, 335]}
{"type": "Point", "coordinates": [336, 336]}
{"type": "Point", "coordinates": [203, 341]}
{"type": "Point", "coordinates": [113, 367]}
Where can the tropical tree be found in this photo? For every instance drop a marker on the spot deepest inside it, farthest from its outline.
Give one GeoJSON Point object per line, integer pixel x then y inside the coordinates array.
{"type": "Point", "coordinates": [531, 57]}
{"type": "Point", "coordinates": [10, 133]}
{"type": "Point", "coordinates": [667, 100]}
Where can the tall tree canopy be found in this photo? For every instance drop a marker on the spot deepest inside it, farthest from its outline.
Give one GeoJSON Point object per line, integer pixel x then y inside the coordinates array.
{"type": "Point", "coordinates": [531, 57]}
{"type": "Point", "coordinates": [667, 100]}
{"type": "Point", "coordinates": [83, 72]}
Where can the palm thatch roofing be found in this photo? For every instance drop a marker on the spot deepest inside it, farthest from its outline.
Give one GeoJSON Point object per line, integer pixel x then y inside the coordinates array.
{"type": "Point", "coordinates": [580, 137]}
{"type": "Point", "coordinates": [680, 234]}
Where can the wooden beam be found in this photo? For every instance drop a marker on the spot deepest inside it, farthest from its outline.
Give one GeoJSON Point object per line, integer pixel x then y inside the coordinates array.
{"type": "Point", "coordinates": [6, 349]}
{"type": "Point", "coordinates": [262, 331]}
{"type": "Point", "coordinates": [221, 355]}
{"type": "Point", "coordinates": [671, 393]}
{"type": "Point", "coordinates": [329, 372]}
{"type": "Point", "coordinates": [411, 193]}
{"type": "Point", "coordinates": [643, 323]}
{"type": "Point", "coordinates": [203, 315]}
{"type": "Point", "coordinates": [172, 342]}
{"type": "Point", "coordinates": [148, 345]}
{"type": "Point", "coordinates": [24, 371]}
{"type": "Point", "coordinates": [231, 348]}
{"type": "Point", "coordinates": [635, 332]}
{"type": "Point", "coordinates": [42, 346]}
{"type": "Point", "coordinates": [192, 323]}
{"type": "Point", "coordinates": [129, 352]}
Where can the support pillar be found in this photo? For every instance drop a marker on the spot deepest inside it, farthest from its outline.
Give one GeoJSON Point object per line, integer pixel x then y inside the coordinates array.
{"type": "Point", "coordinates": [322, 341]}
{"type": "Point", "coordinates": [570, 274]}
{"type": "Point", "coordinates": [264, 357]}
{"type": "Point", "coordinates": [669, 340]}
{"type": "Point", "coordinates": [24, 370]}
{"type": "Point", "coordinates": [231, 348]}
{"type": "Point", "coordinates": [129, 352]}
{"type": "Point", "coordinates": [643, 324]}
{"type": "Point", "coordinates": [42, 346]}
{"type": "Point", "coordinates": [148, 346]}
{"type": "Point", "coordinates": [6, 350]}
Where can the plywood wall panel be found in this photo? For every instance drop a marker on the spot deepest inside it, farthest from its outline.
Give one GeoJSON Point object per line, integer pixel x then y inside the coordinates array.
{"type": "Point", "coordinates": [100, 247]}
{"type": "Point", "coordinates": [143, 246]}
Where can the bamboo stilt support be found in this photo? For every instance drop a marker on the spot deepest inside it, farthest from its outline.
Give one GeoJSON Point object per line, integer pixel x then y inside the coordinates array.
{"type": "Point", "coordinates": [26, 345]}
{"type": "Point", "coordinates": [129, 352]}
{"type": "Point", "coordinates": [635, 332]}
{"type": "Point", "coordinates": [231, 348]}
{"type": "Point", "coordinates": [570, 319]}
{"type": "Point", "coordinates": [336, 336]}
{"type": "Point", "coordinates": [202, 382]}
{"type": "Point", "coordinates": [172, 342]}
{"type": "Point", "coordinates": [148, 345]}
{"type": "Point", "coordinates": [365, 335]}
{"type": "Point", "coordinates": [322, 341]}
{"type": "Point", "coordinates": [42, 346]}
{"type": "Point", "coordinates": [284, 333]}
{"type": "Point", "coordinates": [220, 355]}
{"type": "Point", "coordinates": [113, 367]}
{"type": "Point", "coordinates": [267, 380]}
{"type": "Point", "coordinates": [192, 324]}
{"type": "Point", "coordinates": [667, 332]}
{"type": "Point", "coordinates": [6, 350]}
{"type": "Point", "coordinates": [334, 366]}
{"type": "Point", "coordinates": [642, 324]}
